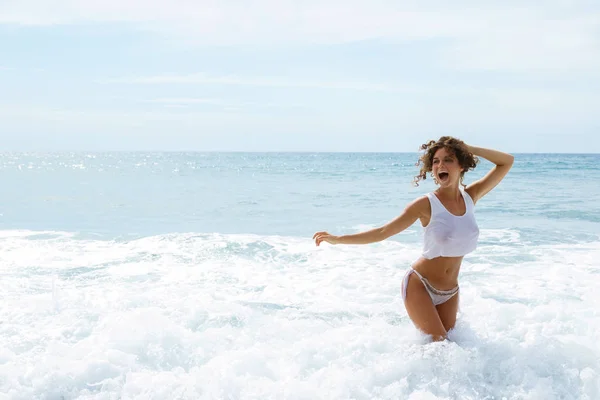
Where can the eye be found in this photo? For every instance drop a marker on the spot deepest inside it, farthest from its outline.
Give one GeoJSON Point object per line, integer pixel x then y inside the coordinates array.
{"type": "Point", "coordinates": [436, 161]}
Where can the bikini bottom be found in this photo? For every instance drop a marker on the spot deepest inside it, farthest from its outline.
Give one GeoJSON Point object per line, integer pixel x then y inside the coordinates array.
{"type": "Point", "coordinates": [437, 296]}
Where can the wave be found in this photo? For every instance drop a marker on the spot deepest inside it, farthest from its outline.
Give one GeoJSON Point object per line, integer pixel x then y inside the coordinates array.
{"type": "Point", "coordinates": [188, 315]}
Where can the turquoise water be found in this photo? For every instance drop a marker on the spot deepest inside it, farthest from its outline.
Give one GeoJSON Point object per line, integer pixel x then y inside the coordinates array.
{"type": "Point", "coordinates": [140, 275]}
{"type": "Point", "coordinates": [114, 194]}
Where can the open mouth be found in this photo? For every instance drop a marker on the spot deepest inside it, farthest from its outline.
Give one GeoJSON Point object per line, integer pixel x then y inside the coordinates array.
{"type": "Point", "coordinates": [443, 176]}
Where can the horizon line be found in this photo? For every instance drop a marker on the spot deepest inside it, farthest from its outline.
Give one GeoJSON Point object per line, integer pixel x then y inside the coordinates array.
{"type": "Point", "coordinates": [264, 152]}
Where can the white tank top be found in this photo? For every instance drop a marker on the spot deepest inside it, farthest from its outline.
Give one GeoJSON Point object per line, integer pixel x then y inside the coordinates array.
{"type": "Point", "coordinates": [449, 235]}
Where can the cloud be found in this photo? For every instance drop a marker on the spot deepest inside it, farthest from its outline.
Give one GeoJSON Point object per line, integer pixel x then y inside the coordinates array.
{"type": "Point", "coordinates": [203, 79]}
{"type": "Point", "coordinates": [550, 35]}
{"type": "Point", "coordinates": [233, 22]}
{"type": "Point", "coordinates": [74, 116]}
{"type": "Point", "coordinates": [185, 102]}
{"type": "Point", "coordinates": [527, 41]}
{"type": "Point", "coordinates": [516, 98]}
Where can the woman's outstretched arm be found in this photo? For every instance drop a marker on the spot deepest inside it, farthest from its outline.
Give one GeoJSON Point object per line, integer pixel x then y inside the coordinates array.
{"type": "Point", "coordinates": [411, 213]}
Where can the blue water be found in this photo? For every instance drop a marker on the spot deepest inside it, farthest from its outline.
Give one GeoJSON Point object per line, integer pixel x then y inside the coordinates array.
{"type": "Point", "coordinates": [112, 194]}
{"type": "Point", "coordinates": [125, 274]}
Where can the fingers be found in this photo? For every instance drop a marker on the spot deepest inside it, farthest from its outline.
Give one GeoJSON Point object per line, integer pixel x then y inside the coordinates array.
{"type": "Point", "coordinates": [318, 239]}
{"type": "Point", "coordinates": [324, 237]}
{"type": "Point", "coordinates": [320, 236]}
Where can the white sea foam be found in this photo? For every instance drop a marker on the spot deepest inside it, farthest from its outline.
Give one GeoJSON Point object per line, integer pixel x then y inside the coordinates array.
{"type": "Point", "coordinates": [211, 316]}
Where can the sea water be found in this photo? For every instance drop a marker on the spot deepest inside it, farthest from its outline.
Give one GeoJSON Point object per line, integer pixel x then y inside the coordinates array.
{"type": "Point", "coordinates": [195, 276]}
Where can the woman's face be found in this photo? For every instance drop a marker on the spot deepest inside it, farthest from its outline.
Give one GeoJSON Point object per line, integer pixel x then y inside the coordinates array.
{"type": "Point", "coordinates": [445, 167]}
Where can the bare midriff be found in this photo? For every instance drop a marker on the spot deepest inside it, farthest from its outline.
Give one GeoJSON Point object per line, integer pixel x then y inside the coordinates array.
{"type": "Point", "coordinates": [441, 272]}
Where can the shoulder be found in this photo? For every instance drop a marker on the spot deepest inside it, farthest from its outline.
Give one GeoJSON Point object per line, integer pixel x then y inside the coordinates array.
{"type": "Point", "coordinates": [420, 207]}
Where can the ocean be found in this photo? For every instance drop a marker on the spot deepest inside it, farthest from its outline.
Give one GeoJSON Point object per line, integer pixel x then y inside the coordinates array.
{"type": "Point", "coordinates": [195, 276]}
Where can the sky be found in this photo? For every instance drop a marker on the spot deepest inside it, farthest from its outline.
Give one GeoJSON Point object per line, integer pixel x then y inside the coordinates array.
{"type": "Point", "coordinates": [310, 75]}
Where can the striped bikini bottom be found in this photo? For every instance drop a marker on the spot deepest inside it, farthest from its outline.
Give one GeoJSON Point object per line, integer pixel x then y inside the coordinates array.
{"type": "Point", "coordinates": [437, 296]}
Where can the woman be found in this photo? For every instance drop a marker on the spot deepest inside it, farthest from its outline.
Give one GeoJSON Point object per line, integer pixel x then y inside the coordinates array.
{"type": "Point", "coordinates": [430, 287]}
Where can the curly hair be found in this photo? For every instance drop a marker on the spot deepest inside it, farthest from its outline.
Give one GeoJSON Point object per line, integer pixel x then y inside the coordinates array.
{"type": "Point", "coordinates": [455, 146]}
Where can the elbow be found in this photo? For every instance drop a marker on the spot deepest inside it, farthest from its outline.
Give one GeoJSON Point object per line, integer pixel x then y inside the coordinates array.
{"type": "Point", "coordinates": [508, 161]}
{"type": "Point", "coordinates": [382, 234]}
{"type": "Point", "coordinates": [511, 161]}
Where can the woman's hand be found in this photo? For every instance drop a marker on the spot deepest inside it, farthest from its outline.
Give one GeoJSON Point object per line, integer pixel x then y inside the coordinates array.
{"type": "Point", "coordinates": [325, 237]}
